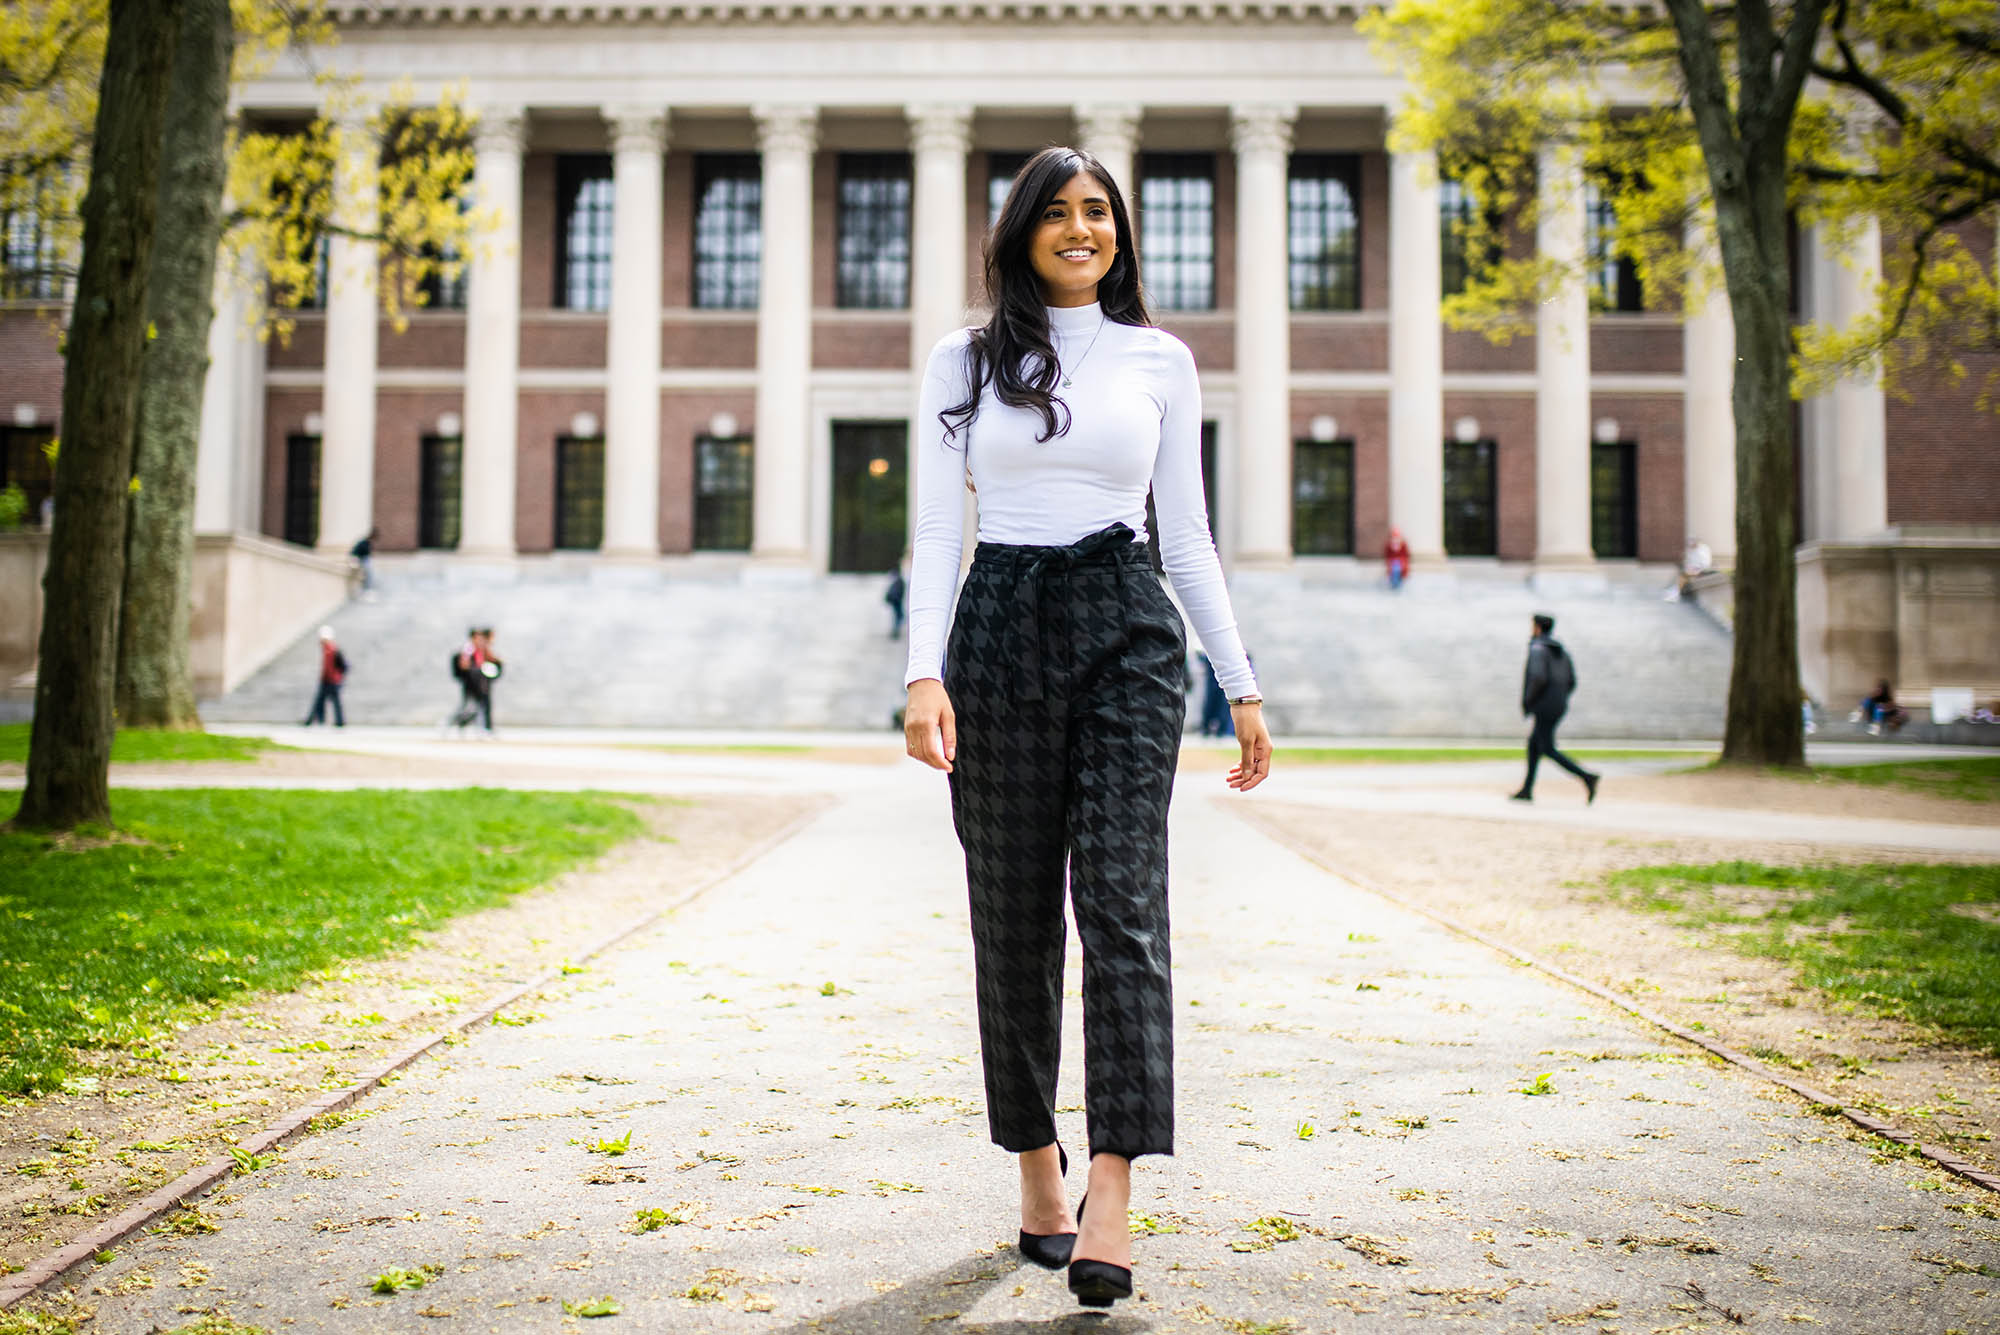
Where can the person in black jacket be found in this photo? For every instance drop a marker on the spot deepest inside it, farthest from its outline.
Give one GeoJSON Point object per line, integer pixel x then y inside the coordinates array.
{"type": "Point", "coordinates": [1545, 692]}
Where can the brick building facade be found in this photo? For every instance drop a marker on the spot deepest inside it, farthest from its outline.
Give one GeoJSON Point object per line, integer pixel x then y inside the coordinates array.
{"type": "Point", "coordinates": [634, 412]}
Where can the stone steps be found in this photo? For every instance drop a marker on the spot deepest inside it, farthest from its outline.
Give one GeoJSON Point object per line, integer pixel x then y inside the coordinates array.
{"type": "Point", "coordinates": [738, 647]}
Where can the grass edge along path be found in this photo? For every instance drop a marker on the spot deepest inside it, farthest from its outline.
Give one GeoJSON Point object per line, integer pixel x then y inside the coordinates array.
{"type": "Point", "coordinates": [1960, 778]}
{"type": "Point", "coordinates": [329, 1105]}
{"type": "Point", "coordinates": [1817, 1099]}
{"type": "Point", "coordinates": [206, 894]}
{"type": "Point", "coordinates": [152, 746]}
{"type": "Point", "coordinates": [1888, 936]}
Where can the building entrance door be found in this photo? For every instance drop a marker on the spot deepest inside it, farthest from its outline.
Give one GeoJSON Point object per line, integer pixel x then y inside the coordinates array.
{"type": "Point", "coordinates": [1614, 499]}
{"type": "Point", "coordinates": [870, 496]}
{"type": "Point", "coordinates": [302, 489]}
{"type": "Point", "coordinates": [1471, 526]}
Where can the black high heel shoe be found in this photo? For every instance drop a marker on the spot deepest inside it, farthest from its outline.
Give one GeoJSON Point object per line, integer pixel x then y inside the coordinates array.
{"type": "Point", "coordinates": [1050, 1250]}
{"type": "Point", "coordinates": [1097, 1283]}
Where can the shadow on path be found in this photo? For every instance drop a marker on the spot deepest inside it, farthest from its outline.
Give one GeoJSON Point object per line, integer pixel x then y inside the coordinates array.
{"type": "Point", "coordinates": [950, 1291]}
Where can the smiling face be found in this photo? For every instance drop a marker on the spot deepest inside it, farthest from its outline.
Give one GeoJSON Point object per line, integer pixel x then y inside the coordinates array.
{"type": "Point", "coordinates": [1074, 243]}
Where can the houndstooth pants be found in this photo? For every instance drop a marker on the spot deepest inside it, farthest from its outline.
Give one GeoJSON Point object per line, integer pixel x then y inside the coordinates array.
{"type": "Point", "coordinates": [1065, 670]}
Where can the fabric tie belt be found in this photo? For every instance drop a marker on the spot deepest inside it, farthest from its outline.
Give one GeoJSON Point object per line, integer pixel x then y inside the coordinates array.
{"type": "Point", "coordinates": [1030, 575]}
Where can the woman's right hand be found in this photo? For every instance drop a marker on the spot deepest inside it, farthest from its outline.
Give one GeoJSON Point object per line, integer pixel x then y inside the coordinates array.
{"type": "Point", "coordinates": [930, 730]}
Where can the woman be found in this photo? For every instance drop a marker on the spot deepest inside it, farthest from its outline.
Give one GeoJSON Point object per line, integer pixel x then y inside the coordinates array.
{"type": "Point", "coordinates": [1057, 707]}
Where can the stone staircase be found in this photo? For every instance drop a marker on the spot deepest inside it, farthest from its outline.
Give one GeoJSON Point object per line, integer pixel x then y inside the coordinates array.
{"type": "Point", "coordinates": [732, 646]}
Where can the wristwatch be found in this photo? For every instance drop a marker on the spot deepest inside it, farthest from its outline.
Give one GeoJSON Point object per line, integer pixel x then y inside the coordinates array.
{"type": "Point", "coordinates": [1247, 700]}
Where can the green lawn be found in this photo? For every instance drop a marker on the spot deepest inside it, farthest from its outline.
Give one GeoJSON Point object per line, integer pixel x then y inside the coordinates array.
{"type": "Point", "coordinates": [1969, 779]}
{"type": "Point", "coordinates": [1882, 936]}
{"type": "Point", "coordinates": [142, 746]}
{"type": "Point", "coordinates": [212, 892]}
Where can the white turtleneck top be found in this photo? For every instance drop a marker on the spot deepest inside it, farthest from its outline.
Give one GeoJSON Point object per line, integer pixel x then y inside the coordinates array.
{"type": "Point", "coordinates": [1135, 422]}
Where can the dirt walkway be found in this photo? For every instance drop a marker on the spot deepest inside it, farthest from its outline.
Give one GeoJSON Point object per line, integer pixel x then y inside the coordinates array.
{"type": "Point", "coordinates": [1540, 889]}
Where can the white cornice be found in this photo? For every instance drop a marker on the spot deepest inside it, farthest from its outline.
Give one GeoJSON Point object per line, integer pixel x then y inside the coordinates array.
{"type": "Point", "coordinates": [436, 13]}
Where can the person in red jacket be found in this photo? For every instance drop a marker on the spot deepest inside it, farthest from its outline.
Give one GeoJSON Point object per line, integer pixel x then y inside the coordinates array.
{"type": "Point", "coordinates": [1396, 558]}
{"type": "Point", "coordinates": [332, 672]}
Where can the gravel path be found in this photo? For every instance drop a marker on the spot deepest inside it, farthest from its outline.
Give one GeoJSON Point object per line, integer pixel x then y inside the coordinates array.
{"type": "Point", "coordinates": [826, 1145]}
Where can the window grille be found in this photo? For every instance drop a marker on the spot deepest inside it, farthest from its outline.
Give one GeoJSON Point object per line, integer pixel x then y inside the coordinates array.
{"type": "Point", "coordinates": [722, 473]}
{"type": "Point", "coordinates": [30, 253]}
{"type": "Point", "coordinates": [584, 196]}
{"type": "Point", "coordinates": [1456, 214]}
{"type": "Point", "coordinates": [1612, 277]}
{"type": "Point", "coordinates": [579, 492]}
{"type": "Point", "coordinates": [1323, 497]}
{"type": "Point", "coordinates": [728, 230]}
{"type": "Point", "coordinates": [874, 231]}
{"type": "Point", "coordinates": [1177, 229]}
{"type": "Point", "coordinates": [1325, 244]}
{"type": "Point", "coordinates": [1001, 169]}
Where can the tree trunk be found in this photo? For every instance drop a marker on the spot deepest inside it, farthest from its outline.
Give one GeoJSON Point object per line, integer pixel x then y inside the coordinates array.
{"type": "Point", "coordinates": [155, 681]}
{"type": "Point", "coordinates": [69, 750]}
{"type": "Point", "coordinates": [1765, 726]}
{"type": "Point", "coordinates": [1745, 148]}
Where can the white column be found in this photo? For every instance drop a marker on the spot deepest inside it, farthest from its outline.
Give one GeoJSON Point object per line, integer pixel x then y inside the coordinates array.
{"type": "Point", "coordinates": [1111, 135]}
{"type": "Point", "coordinates": [782, 458]}
{"type": "Point", "coordinates": [632, 394]}
{"type": "Point", "coordinates": [493, 337]}
{"type": "Point", "coordinates": [940, 137]}
{"type": "Point", "coordinates": [217, 487]}
{"type": "Point", "coordinates": [347, 405]}
{"type": "Point", "coordinates": [1562, 368]}
{"type": "Point", "coordinates": [1859, 412]}
{"type": "Point", "coordinates": [1262, 138]}
{"type": "Point", "coordinates": [1708, 412]}
{"type": "Point", "coordinates": [1416, 356]}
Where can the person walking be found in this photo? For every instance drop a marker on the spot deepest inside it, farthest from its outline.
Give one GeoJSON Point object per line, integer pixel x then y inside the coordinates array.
{"type": "Point", "coordinates": [1396, 558]}
{"type": "Point", "coordinates": [896, 595]}
{"type": "Point", "coordinates": [332, 673]}
{"type": "Point", "coordinates": [478, 667]}
{"type": "Point", "coordinates": [1545, 690]}
{"type": "Point", "coordinates": [363, 552]}
{"type": "Point", "coordinates": [1056, 705]}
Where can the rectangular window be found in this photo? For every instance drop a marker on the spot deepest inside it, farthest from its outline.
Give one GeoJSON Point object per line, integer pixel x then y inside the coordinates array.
{"type": "Point", "coordinates": [1177, 229]}
{"type": "Point", "coordinates": [1001, 169]}
{"type": "Point", "coordinates": [1471, 510]}
{"type": "Point", "coordinates": [728, 230]}
{"type": "Point", "coordinates": [874, 232]}
{"type": "Point", "coordinates": [1323, 497]}
{"type": "Point", "coordinates": [302, 489]}
{"type": "Point", "coordinates": [321, 246]}
{"type": "Point", "coordinates": [1325, 233]}
{"type": "Point", "coordinates": [579, 492]}
{"type": "Point", "coordinates": [1456, 211]}
{"type": "Point", "coordinates": [30, 253]}
{"type": "Point", "coordinates": [583, 222]}
{"type": "Point", "coordinates": [25, 463]}
{"type": "Point", "coordinates": [722, 472]}
{"type": "Point", "coordinates": [440, 488]}
{"type": "Point", "coordinates": [1613, 278]}
{"type": "Point", "coordinates": [1614, 498]}
{"type": "Point", "coordinates": [443, 287]}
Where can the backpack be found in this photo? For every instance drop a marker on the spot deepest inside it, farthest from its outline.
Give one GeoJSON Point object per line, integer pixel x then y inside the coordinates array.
{"type": "Point", "coordinates": [457, 672]}
{"type": "Point", "coordinates": [340, 662]}
{"type": "Point", "coordinates": [1562, 674]}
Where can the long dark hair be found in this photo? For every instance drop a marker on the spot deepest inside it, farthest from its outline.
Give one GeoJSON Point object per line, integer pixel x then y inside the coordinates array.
{"type": "Point", "coordinates": [1013, 350]}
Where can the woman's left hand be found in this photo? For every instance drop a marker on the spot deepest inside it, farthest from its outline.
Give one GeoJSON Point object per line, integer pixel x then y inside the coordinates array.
{"type": "Point", "coordinates": [1255, 739]}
